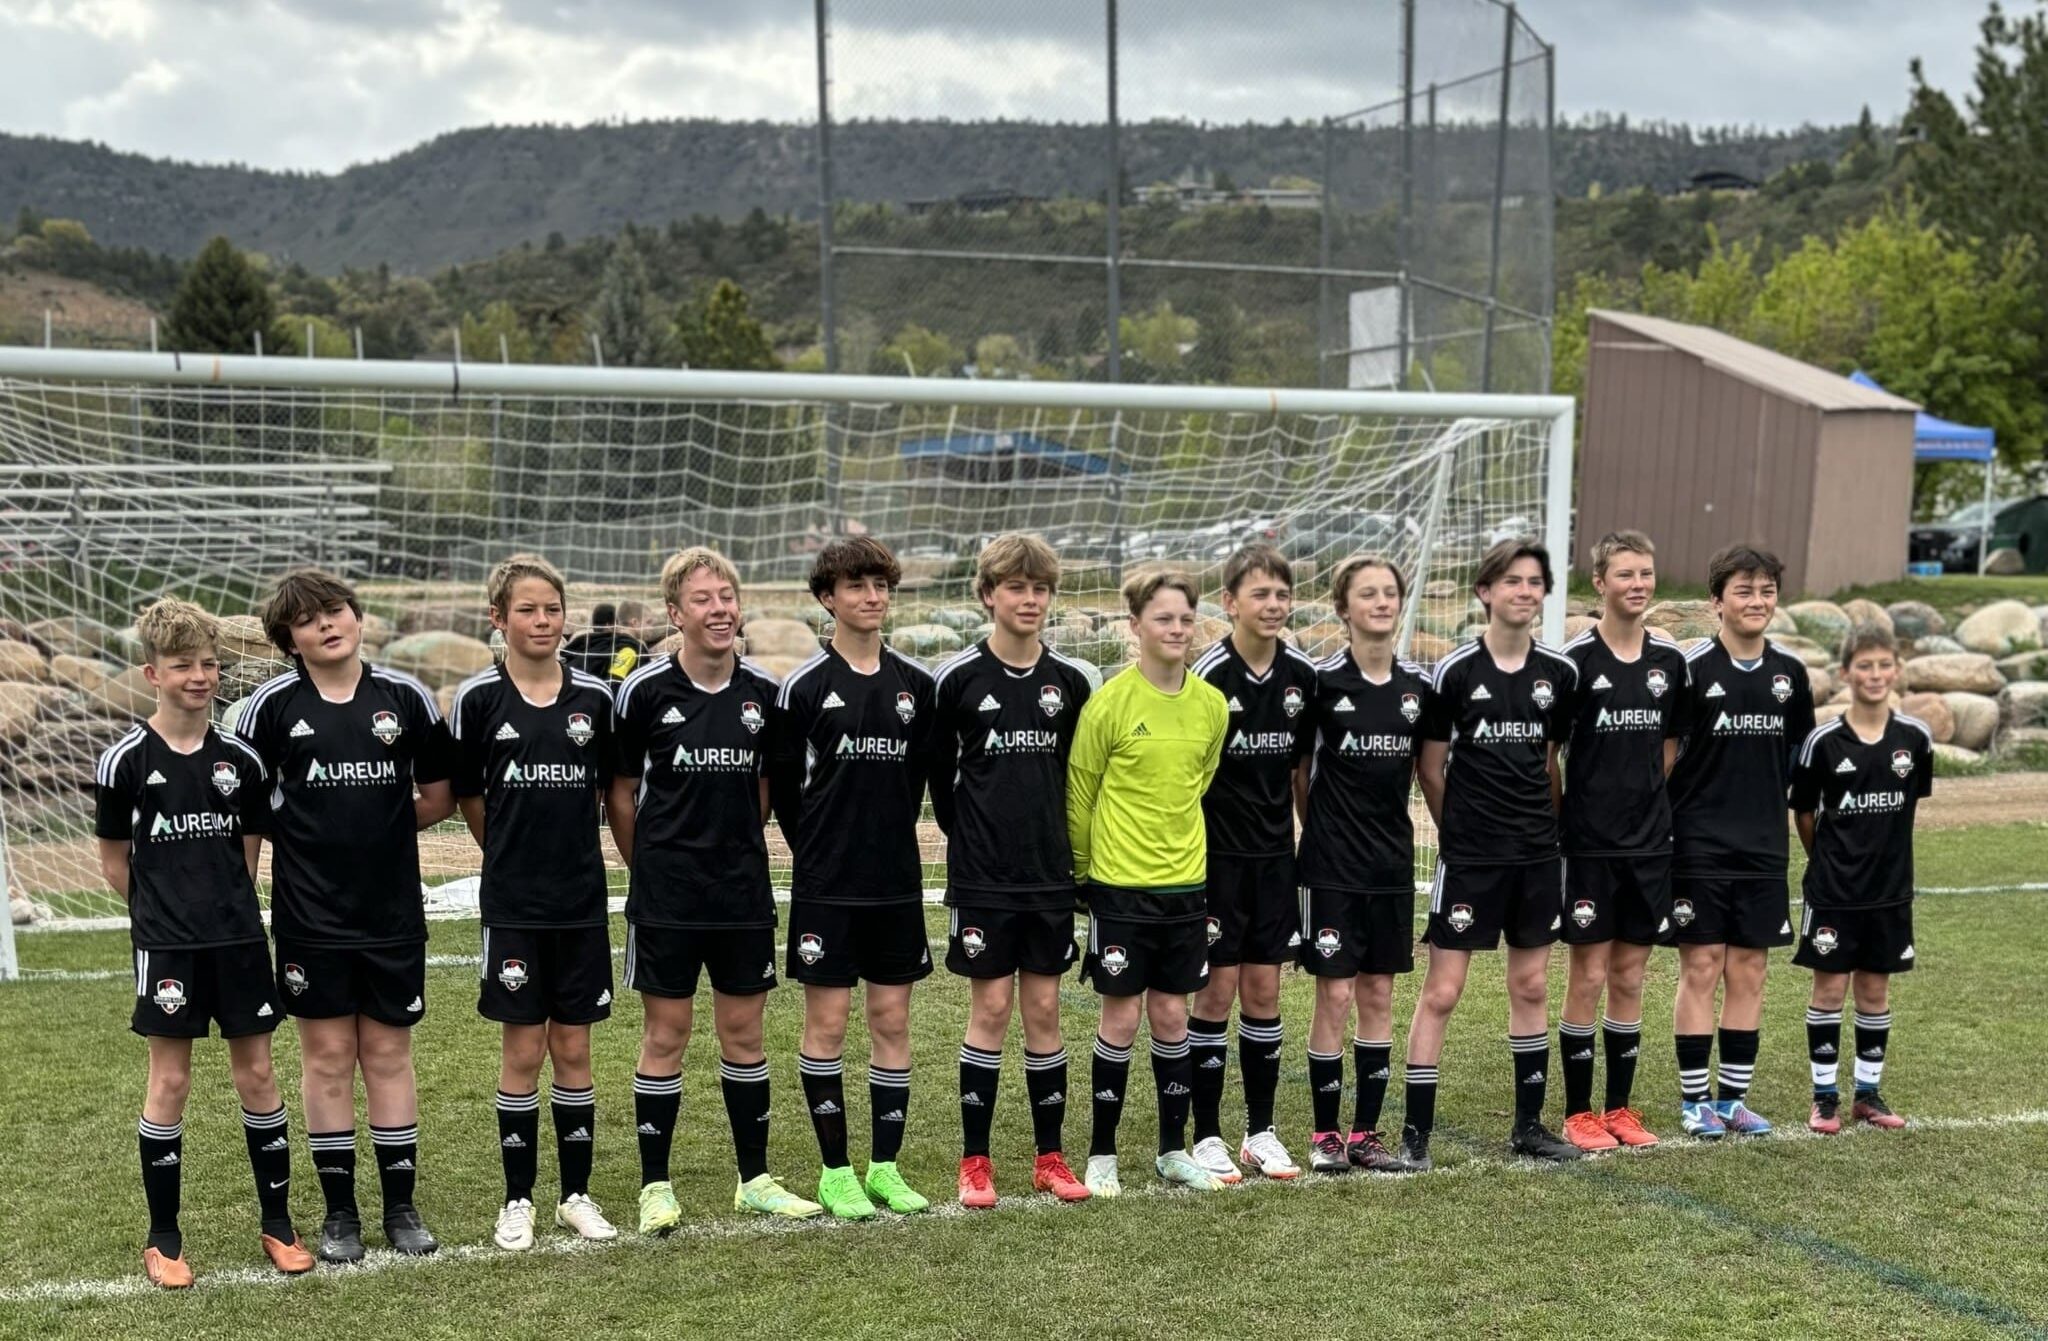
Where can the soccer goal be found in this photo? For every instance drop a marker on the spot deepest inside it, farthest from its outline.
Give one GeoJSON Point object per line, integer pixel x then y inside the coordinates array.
{"type": "Point", "coordinates": [126, 476]}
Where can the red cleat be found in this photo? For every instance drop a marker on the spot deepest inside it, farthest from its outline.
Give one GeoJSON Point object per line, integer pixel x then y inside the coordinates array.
{"type": "Point", "coordinates": [1826, 1117]}
{"type": "Point", "coordinates": [1626, 1126]}
{"type": "Point", "coordinates": [1588, 1132]}
{"type": "Point", "coordinates": [1870, 1108]}
{"type": "Point", "coordinates": [977, 1182]}
{"type": "Point", "coordinates": [169, 1273]}
{"type": "Point", "coordinates": [290, 1258]}
{"type": "Point", "coordinates": [1051, 1174]}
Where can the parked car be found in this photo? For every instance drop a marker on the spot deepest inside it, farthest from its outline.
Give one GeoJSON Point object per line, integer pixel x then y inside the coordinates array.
{"type": "Point", "coordinates": [1952, 542]}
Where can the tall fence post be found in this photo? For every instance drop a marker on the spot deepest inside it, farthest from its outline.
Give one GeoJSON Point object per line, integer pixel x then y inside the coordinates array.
{"type": "Point", "coordinates": [1325, 326]}
{"type": "Point", "coordinates": [1500, 187]}
{"type": "Point", "coordinates": [1407, 230]}
{"type": "Point", "coordinates": [1113, 199]}
{"type": "Point", "coordinates": [828, 317]}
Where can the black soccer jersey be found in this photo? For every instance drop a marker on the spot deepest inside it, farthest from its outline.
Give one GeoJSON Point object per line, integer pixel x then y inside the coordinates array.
{"type": "Point", "coordinates": [346, 869]}
{"type": "Point", "coordinates": [541, 770]}
{"type": "Point", "coordinates": [850, 775]}
{"type": "Point", "coordinates": [1497, 808]}
{"type": "Point", "coordinates": [1862, 795]}
{"type": "Point", "coordinates": [999, 778]}
{"type": "Point", "coordinates": [1615, 802]}
{"type": "Point", "coordinates": [1728, 790]}
{"type": "Point", "coordinates": [184, 817]}
{"type": "Point", "coordinates": [1249, 807]}
{"type": "Point", "coordinates": [700, 858]}
{"type": "Point", "coordinates": [1358, 834]}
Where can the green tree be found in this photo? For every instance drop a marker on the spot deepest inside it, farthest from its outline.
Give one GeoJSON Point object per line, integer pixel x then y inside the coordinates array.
{"type": "Point", "coordinates": [624, 330]}
{"type": "Point", "coordinates": [920, 351]}
{"type": "Point", "coordinates": [329, 340]}
{"type": "Point", "coordinates": [718, 330]}
{"type": "Point", "coordinates": [221, 305]}
{"type": "Point", "coordinates": [496, 334]}
{"type": "Point", "coordinates": [1000, 355]}
{"type": "Point", "coordinates": [1155, 338]}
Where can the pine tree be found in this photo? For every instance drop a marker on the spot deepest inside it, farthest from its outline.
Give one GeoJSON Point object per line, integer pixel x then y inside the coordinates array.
{"type": "Point", "coordinates": [623, 329]}
{"type": "Point", "coordinates": [221, 305]}
{"type": "Point", "coordinates": [719, 331]}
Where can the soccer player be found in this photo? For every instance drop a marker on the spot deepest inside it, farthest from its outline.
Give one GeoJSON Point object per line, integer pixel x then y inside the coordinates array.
{"type": "Point", "coordinates": [1248, 816]}
{"type": "Point", "coordinates": [1854, 790]}
{"type": "Point", "coordinates": [848, 781]}
{"type": "Point", "coordinates": [1751, 707]}
{"type": "Point", "coordinates": [615, 644]}
{"type": "Point", "coordinates": [1146, 750]}
{"type": "Point", "coordinates": [1500, 706]}
{"type": "Point", "coordinates": [1357, 869]}
{"type": "Point", "coordinates": [178, 806]}
{"type": "Point", "coordinates": [689, 798]}
{"type": "Point", "coordinates": [1007, 708]}
{"type": "Point", "coordinates": [532, 757]}
{"type": "Point", "coordinates": [346, 744]}
{"type": "Point", "coordinates": [1626, 723]}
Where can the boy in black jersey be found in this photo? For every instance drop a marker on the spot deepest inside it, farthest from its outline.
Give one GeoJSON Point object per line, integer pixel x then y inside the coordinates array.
{"type": "Point", "coordinates": [687, 806]}
{"type": "Point", "coordinates": [1006, 709]}
{"type": "Point", "coordinates": [1248, 815]}
{"type": "Point", "coordinates": [532, 757]}
{"type": "Point", "coordinates": [179, 808]}
{"type": "Point", "coordinates": [346, 745]}
{"type": "Point", "coordinates": [1491, 728]}
{"type": "Point", "coordinates": [1751, 707]}
{"type": "Point", "coordinates": [848, 781]}
{"type": "Point", "coordinates": [1357, 868]}
{"type": "Point", "coordinates": [1629, 717]}
{"type": "Point", "coordinates": [1854, 790]}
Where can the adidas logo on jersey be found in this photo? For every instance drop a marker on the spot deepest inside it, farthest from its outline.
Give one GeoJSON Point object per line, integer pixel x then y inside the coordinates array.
{"type": "Point", "coordinates": [1343, 705]}
{"type": "Point", "coordinates": [1845, 767]}
{"type": "Point", "coordinates": [648, 1129]}
{"type": "Point", "coordinates": [1235, 706]}
{"type": "Point", "coordinates": [989, 704]}
{"type": "Point", "coordinates": [1602, 682]}
{"type": "Point", "coordinates": [1715, 690]}
{"type": "Point", "coordinates": [1139, 730]}
{"type": "Point", "coordinates": [264, 1012]}
{"type": "Point", "coordinates": [155, 779]}
{"type": "Point", "coordinates": [299, 728]}
{"type": "Point", "coordinates": [832, 700]}
{"type": "Point", "coordinates": [1479, 694]}
{"type": "Point", "coordinates": [506, 732]}
{"type": "Point", "coordinates": [673, 717]}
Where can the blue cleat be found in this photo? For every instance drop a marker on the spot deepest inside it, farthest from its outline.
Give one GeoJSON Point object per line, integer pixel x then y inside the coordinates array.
{"type": "Point", "coordinates": [1739, 1121]}
{"type": "Point", "coordinates": [1702, 1121]}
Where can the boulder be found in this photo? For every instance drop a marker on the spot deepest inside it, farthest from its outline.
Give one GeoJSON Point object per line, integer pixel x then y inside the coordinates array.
{"type": "Point", "coordinates": [464, 617]}
{"type": "Point", "coordinates": [377, 630]}
{"type": "Point", "coordinates": [779, 638]}
{"type": "Point", "coordinates": [2001, 629]}
{"type": "Point", "coordinates": [2006, 562]}
{"type": "Point", "coordinates": [2024, 666]}
{"type": "Point", "coordinates": [125, 695]}
{"type": "Point", "coordinates": [776, 665]}
{"type": "Point", "coordinates": [2031, 738]}
{"type": "Point", "coordinates": [2023, 705]}
{"type": "Point", "coordinates": [242, 636]}
{"type": "Point", "coordinates": [1957, 754]}
{"type": "Point", "coordinates": [1091, 671]}
{"type": "Point", "coordinates": [1915, 619]}
{"type": "Point", "coordinates": [1684, 619]}
{"type": "Point", "coordinates": [78, 672]}
{"type": "Point", "coordinates": [73, 635]}
{"type": "Point", "coordinates": [2041, 617]}
{"type": "Point", "coordinates": [1823, 621]}
{"type": "Point", "coordinates": [1807, 650]}
{"type": "Point", "coordinates": [1969, 672]}
{"type": "Point", "coordinates": [1426, 648]}
{"type": "Point", "coordinates": [1828, 712]}
{"type": "Point", "coordinates": [1842, 694]}
{"type": "Point", "coordinates": [1822, 682]}
{"type": "Point", "coordinates": [1934, 645]}
{"type": "Point", "coordinates": [1445, 617]}
{"type": "Point", "coordinates": [1781, 623]}
{"type": "Point", "coordinates": [1574, 625]}
{"type": "Point", "coordinates": [15, 631]}
{"type": "Point", "coordinates": [1321, 639]}
{"type": "Point", "coordinates": [922, 640]}
{"type": "Point", "coordinates": [444, 699]}
{"type": "Point", "coordinates": [1208, 630]}
{"type": "Point", "coordinates": [1934, 711]}
{"type": "Point", "coordinates": [1976, 719]}
{"type": "Point", "coordinates": [21, 661]}
{"type": "Point", "coordinates": [959, 618]}
{"type": "Point", "coordinates": [21, 704]}
{"type": "Point", "coordinates": [1441, 587]}
{"type": "Point", "coordinates": [1868, 614]}
{"type": "Point", "coordinates": [440, 658]}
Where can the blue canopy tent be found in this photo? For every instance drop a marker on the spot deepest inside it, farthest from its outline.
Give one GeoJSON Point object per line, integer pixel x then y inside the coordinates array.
{"type": "Point", "coordinates": [1936, 439]}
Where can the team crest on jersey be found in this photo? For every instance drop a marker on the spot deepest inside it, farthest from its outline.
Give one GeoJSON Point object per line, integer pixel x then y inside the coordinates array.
{"type": "Point", "coordinates": [1658, 682]}
{"type": "Point", "coordinates": [810, 947]}
{"type": "Point", "coordinates": [1291, 701]}
{"type": "Point", "coordinates": [1542, 693]}
{"type": "Point", "coordinates": [1114, 960]}
{"type": "Point", "coordinates": [580, 729]}
{"type": "Point", "coordinates": [226, 780]}
{"type": "Point", "coordinates": [972, 941]}
{"type": "Point", "coordinates": [1215, 931]}
{"type": "Point", "coordinates": [1781, 687]}
{"type": "Point", "coordinates": [750, 717]}
{"type": "Point", "coordinates": [1050, 700]}
{"type": "Point", "coordinates": [1825, 940]}
{"type": "Point", "coordinates": [294, 979]}
{"type": "Point", "coordinates": [384, 726]}
{"type": "Point", "coordinates": [1460, 917]}
{"type": "Point", "coordinates": [170, 994]}
{"type": "Point", "coordinates": [1411, 706]}
{"type": "Point", "coordinates": [906, 707]}
{"type": "Point", "coordinates": [1583, 913]}
{"type": "Point", "coordinates": [1328, 942]}
{"type": "Point", "coordinates": [1902, 762]}
{"type": "Point", "coordinates": [1681, 911]}
{"type": "Point", "coordinates": [512, 973]}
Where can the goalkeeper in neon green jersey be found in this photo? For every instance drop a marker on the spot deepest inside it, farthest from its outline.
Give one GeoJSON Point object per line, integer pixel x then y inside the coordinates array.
{"type": "Point", "coordinates": [1144, 752]}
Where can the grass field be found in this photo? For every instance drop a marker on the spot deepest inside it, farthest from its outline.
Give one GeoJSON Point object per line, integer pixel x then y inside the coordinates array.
{"type": "Point", "coordinates": [1930, 1232]}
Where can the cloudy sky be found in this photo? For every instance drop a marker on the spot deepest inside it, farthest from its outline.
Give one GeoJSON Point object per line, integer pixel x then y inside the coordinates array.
{"type": "Point", "coordinates": [319, 84]}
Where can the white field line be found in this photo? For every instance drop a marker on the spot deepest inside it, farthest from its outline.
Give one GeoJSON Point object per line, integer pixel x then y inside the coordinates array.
{"type": "Point", "coordinates": [383, 1260]}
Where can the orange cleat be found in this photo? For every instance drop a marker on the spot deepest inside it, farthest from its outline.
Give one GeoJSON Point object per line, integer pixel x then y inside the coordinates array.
{"type": "Point", "coordinates": [290, 1258]}
{"type": "Point", "coordinates": [1588, 1132]}
{"type": "Point", "coordinates": [169, 1273]}
{"type": "Point", "coordinates": [1051, 1174]}
{"type": "Point", "coordinates": [977, 1183]}
{"type": "Point", "coordinates": [1626, 1126]}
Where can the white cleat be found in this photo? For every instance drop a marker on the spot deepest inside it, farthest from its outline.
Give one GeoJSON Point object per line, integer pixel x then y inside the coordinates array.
{"type": "Point", "coordinates": [1101, 1179]}
{"type": "Point", "coordinates": [580, 1215]}
{"type": "Point", "coordinates": [1214, 1157]}
{"type": "Point", "coordinates": [515, 1226]}
{"type": "Point", "coordinates": [1263, 1152]}
{"type": "Point", "coordinates": [1179, 1166]}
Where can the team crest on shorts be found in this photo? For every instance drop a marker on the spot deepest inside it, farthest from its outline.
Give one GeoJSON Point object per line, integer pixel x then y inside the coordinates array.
{"type": "Point", "coordinates": [170, 994]}
{"type": "Point", "coordinates": [810, 947]}
{"type": "Point", "coordinates": [580, 729]}
{"type": "Point", "coordinates": [1681, 911]}
{"type": "Point", "coordinates": [1291, 701]}
{"type": "Point", "coordinates": [384, 726]}
{"type": "Point", "coordinates": [1114, 960]}
{"type": "Point", "coordinates": [1658, 683]}
{"type": "Point", "coordinates": [1825, 940]}
{"type": "Point", "coordinates": [906, 707]}
{"type": "Point", "coordinates": [1583, 913]}
{"type": "Point", "coordinates": [1215, 930]}
{"type": "Point", "coordinates": [1460, 917]}
{"type": "Point", "coordinates": [972, 941]}
{"type": "Point", "coordinates": [1543, 694]}
{"type": "Point", "coordinates": [1902, 762]}
{"type": "Point", "coordinates": [295, 978]}
{"type": "Point", "coordinates": [1411, 706]}
{"type": "Point", "coordinates": [1781, 687]}
{"type": "Point", "coordinates": [750, 717]}
{"type": "Point", "coordinates": [1328, 942]}
{"type": "Point", "coordinates": [512, 973]}
{"type": "Point", "coordinates": [1050, 700]}
{"type": "Point", "coordinates": [226, 780]}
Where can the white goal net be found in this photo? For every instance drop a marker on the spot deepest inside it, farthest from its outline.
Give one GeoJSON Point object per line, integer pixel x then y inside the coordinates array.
{"type": "Point", "coordinates": [125, 476]}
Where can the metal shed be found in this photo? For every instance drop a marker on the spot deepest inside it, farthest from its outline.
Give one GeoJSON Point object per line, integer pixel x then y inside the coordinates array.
{"type": "Point", "coordinates": [1702, 439]}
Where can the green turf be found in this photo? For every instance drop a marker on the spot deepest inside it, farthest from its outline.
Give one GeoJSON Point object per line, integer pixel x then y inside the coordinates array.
{"type": "Point", "coordinates": [1924, 1233]}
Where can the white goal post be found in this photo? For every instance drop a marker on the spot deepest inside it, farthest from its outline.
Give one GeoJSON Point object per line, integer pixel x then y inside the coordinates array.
{"type": "Point", "coordinates": [124, 476]}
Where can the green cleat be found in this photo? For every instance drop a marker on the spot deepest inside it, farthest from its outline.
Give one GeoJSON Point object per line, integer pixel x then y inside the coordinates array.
{"type": "Point", "coordinates": [658, 1210]}
{"type": "Point", "coordinates": [769, 1197]}
{"type": "Point", "coordinates": [887, 1186]}
{"type": "Point", "coordinates": [840, 1192]}
{"type": "Point", "coordinates": [1178, 1166]}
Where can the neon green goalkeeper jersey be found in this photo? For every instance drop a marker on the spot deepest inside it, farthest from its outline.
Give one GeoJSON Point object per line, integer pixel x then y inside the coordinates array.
{"type": "Point", "coordinates": [1140, 763]}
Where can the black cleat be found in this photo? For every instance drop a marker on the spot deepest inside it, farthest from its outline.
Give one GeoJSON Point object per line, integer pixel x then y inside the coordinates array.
{"type": "Point", "coordinates": [1326, 1156]}
{"type": "Point", "coordinates": [1538, 1142]}
{"type": "Point", "coordinates": [1414, 1154]}
{"type": "Point", "coordinates": [407, 1235]}
{"type": "Point", "coordinates": [1368, 1152]}
{"type": "Point", "coordinates": [341, 1238]}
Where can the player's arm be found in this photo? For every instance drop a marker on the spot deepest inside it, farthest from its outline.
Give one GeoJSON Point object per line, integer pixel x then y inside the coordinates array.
{"type": "Point", "coordinates": [1219, 727]}
{"type": "Point", "coordinates": [1301, 792]}
{"type": "Point", "coordinates": [114, 865]}
{"type": "Point", "coordinates": [472, 808]}
{"type": "Point", "coordinates": [628, 745]}
{"type": "Point", "coordinates": [1670, 754]}
{"type": "Point", "coordinates": [114, 819]}
{"type": "Point", "coordinates": [467, 727]}
{"type": "Point", "coordinates": [1434, 759]}
{"type": "Point", "coordinates": [1678, 722]}
{"type": "Point", "coordinates": [925, 733]}
{"type": "Point", "coordinates": [432, 765]}
{"type": "Point", "coordinates": [255, 820]}
{"type": "Point", "coordinates": [789, 724]}
{"type": "Point", "coordinates": [1804, 793]}
{"type": "Point", "coordinates": [1086, 762]}
{"type": "Point", "coordinates": [945, 757]}
{"type": "Point", "coordinates": [1554, 766]}
{"type": "Point", "coordinates": [1804, 820]}
{"type": "Point", "coordinates": [1799, 721]}
{"type": "Point", "coordinates": [252, 855]}
{"type": "Point", "coordinates": [620, 811]}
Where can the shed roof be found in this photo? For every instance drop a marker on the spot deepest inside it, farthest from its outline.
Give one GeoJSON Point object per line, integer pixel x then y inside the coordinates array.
{"type": "Point", "coordinates": [1760, 367]}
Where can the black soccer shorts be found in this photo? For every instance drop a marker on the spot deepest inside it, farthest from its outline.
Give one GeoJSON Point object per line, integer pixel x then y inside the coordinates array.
{"type": "Point", "coordinates": [531, 975]}
{"type": "Point", "coordinates": [1624, 899]}
{"type": "Point", "coordinates": [1252, 910]}
{"type": "Point", "coordinates": [838, 945]}
{"type": "Point", "coordinates": [1126, 958]}
{"type": "Point", "coordinates": [1346, 932]}
{"type": "Point", "coordinates": [1861, 940]}
{"type": "Point", "coordinates": [179, 993]}
{"type": "Point", "coordinates": [1470, 907]}
{"type": "Point", "coordinates": [1750, 912]}
{"type": "Point", "coordinates": [997, 942]}
{"type": "Point", "coordinates": [667, 961]}
{"type": "Point", "coordinates": [388, 983]}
